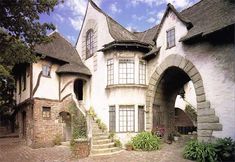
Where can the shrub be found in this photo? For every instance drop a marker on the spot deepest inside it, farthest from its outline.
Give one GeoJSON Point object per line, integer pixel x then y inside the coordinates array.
{"type": "Point", "coordinates": [57, 139]}
{"type": "Point", "coordinates": [98, 121]}
{"type": "Point", "coordinates": [146, 141]}
{"type": "Point", "coordinates": [225, 149]}
{"type": "Point", "coordinates": [117, 143]}
{"type": "Point", "coordinates": [202, 152]}
{"type": "Point", "coordinates": [111, 135]}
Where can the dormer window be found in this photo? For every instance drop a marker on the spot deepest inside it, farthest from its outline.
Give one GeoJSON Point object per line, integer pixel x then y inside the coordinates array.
{"type": "Point", "coordinates": [89, 43]}
{"type": "Point", "coordinates": [46, 70]}
{"type": "Point", "coordinates": [170, 35]}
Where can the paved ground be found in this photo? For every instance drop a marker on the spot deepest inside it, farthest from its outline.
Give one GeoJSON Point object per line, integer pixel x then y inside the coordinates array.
{"type": "Point", "coordinates": [12, 150]}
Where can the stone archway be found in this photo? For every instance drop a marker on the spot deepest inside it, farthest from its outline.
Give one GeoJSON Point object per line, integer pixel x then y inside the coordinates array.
{"type": "Point", "coordinates": [207, 120]}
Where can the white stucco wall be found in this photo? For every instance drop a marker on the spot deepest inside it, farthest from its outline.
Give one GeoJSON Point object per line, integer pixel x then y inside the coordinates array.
{"type": "Point", "coordinates": [49, 86]}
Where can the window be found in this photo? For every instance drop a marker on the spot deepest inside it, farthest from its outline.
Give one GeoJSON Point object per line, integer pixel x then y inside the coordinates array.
{"type": "Point", "coordinates": [142, 72]}
{"type": "Point", "coordinates": [46, 112]}
{"type": "Point", "coordinates": [170, 38]}
{"type": "Point", "coordinates": [112, 119]}
{"type": "Point", "coordinates": [141, 118]}
{"type": "Point", "coordinates": [46, 70]}
{"type": "Point", "coordinates": [126, 118]}
{"type": "Point", "coordinates": [110, 76]}
{"type": "Point", "coordinates": [89, 43]}
{"type": "Point", "coordinates": [126, 71]}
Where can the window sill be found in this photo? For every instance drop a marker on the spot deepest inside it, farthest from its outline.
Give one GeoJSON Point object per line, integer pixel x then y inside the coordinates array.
{"type": "Point", "coordinates": [46, 76]}
{"type": "Point", "coordinates": [170, 47]}
{"type": "Point", "coordinates": [126, 86]}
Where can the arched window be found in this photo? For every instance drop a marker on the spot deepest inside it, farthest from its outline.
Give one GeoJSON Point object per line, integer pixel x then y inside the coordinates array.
{"type": "Point", "coordinates": [89, 43]}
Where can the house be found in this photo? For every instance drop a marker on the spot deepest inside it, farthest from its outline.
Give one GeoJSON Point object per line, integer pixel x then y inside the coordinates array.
{"type": "Point", "coordinates": [132, 79]}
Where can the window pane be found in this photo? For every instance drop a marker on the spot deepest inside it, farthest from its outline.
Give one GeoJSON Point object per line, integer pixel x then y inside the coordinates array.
{"type": "Point", "coordinates": [126, 71]}
{"type": "Point", "coordinates": [126, 118]}
{"type": "Point", "coordinates": [171, 38]}
{"type": "Point", "coordinates": [89, 43]}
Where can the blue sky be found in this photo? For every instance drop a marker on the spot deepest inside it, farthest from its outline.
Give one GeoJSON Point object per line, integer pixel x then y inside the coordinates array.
{"type": "Point", "coordinates": [137, 15]}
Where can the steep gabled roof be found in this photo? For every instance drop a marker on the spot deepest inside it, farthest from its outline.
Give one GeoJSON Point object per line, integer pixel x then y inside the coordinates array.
{"type": "Point", "coordinates": [209, 16]}
{"type": "Point", "coordinates": [170, 7]}
{"type": "Point", "coordinates": [60, 49]}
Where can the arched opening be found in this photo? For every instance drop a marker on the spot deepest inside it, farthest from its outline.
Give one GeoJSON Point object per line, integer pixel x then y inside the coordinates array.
{"type": "Point", "coordinates": [65, 118]}
{"type": "Point", "coordinates": [78, 89]}
{"type": "Point", "coordinates": [170, 85]}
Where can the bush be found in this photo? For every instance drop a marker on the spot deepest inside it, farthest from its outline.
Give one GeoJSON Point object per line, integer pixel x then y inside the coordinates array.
{"type": "Point", "coordinates": [129, 146]}
{"type": "Point", "coordinates": [225, 149]}
{"type": "Point", "coordinates": [146, 141]}
{"type": "Point", "coordinates": [199, 151]}
{"type": "Point", "coordinates": [111, 135]}
{"type": "Point", "coordinates": [117, 143]}
{"type": "Point", "coordinates": [57, 140]}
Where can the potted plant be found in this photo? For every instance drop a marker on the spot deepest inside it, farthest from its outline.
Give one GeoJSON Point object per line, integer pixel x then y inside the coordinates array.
{"type": "Point", "coordinates": [129, 146]}
{"type": "Point", "coordinates": [176, 136]}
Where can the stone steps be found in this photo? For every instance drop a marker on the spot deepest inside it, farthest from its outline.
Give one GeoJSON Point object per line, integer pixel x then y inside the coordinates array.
{"type": "Point", "coordinates": [101, 144]}
{"type": "Point", "coordinates": [67, 143]}
{"type": "Point", "coordinates": [104, 150]}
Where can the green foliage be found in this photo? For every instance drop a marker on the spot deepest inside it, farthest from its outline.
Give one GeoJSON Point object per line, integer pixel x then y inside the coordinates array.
{"type": "Point", "coordinates": [146, 141]}
{"type": "Point", "coordinates": [202, 152]}
{"type": "Point", "coordinates": [57, 140]}
{"type": "Point", "coordinates": [20, 31]}
{"type": "Point", "coordinates": [117, 143]}
{"type": "Point", "coordinates": [191, 112]}
{"type": "Point", "coordinates": [111, 135]}
{"type": "Point", "coordinates": [98, 121]}
{"type": "Point", "coordinates": [92, 113]}
{"type": "Point", "coordinates": [79, 125]}
{"type": "Point", "coordinates": [225, 149]}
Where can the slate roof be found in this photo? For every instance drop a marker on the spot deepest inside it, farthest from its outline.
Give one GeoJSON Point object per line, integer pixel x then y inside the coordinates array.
{"type": "Point", "coordinates": [60, 49]}
{"type": "Point", "coordinates": [204, 17]}
{"type": "Point", "coordinates": [208, 16]}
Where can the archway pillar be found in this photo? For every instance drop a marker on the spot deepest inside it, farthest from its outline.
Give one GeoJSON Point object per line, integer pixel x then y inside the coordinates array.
{"type": "Point", "coordinates": [207, 121]}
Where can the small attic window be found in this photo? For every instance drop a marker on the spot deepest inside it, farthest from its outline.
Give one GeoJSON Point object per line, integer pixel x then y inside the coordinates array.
{"type": "Point", "coordinates": [170, 35]}
{"type": "Point", "coordinates": [46, 70]}
{"type": "Point", "coordinates": [89, 43]}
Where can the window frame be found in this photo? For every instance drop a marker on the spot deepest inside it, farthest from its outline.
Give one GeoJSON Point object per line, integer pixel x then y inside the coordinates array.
{"type": "Point", "coordinates": [126, 78]}
{"type": "Point", "coordinates": [47, 111]}
{"type": "Point", "coordinates": [112, 109]}
{"type": "Point", "coordinates": [170, 38]}
{"type": "Point", "coordinates": [90, 34]}
{"type": "Point", "coordinates": [110, 72]}
{"type": "Point", "coordinates": [143, 64]}
{"type": "Point", "coordinates": [128, 122]}
{"type": "Point", "coordinates": [48, 68]}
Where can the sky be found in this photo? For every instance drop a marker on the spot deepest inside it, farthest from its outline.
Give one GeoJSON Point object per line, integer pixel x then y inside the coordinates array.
{"type": "Point", "coordinates": [135, 15]}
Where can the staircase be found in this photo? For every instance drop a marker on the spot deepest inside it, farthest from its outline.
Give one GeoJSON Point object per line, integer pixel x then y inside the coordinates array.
{"type": "Point", "coordinates": [101, 144]}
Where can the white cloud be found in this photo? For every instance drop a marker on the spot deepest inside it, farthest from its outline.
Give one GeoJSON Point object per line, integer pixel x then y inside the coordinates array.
{"type": "Point", "coordinates": [177, 3]}
{"type": "Point", "coordinates": [77, 9]}
{"type": "Point", "coordinates": [71, 38]}
{"type": "Point", "coordinates": [151, 20]}
{"type": "Point", "coordinates": [76, 22]}
{"type": "Point", "coordinates": [131, 28]}
{"type": "Point", "coordinates": [114, 8]}
{"type": "Point", "coordinates": [135, 17]}
{"type": "Point", "coordinates": [58, 17]}
{"type": "Point", "coordinates": [159, 16]}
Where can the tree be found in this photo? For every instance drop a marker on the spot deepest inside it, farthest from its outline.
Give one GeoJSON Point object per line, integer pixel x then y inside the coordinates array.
{"type": "Point", "coordinates": [20, 30]}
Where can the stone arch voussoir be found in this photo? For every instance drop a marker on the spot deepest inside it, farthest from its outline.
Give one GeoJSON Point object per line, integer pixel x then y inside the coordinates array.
{"type": "Point", "coordinates": [207, 120]}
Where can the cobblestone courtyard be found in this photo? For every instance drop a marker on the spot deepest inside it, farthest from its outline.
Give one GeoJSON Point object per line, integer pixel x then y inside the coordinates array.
{"type": "Point", "coordinates": [12, 150]}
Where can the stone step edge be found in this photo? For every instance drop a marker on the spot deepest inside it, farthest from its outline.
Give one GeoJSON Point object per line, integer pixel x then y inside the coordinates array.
{"type": "Point", "coordinates": [107, 154]}
{"type": "Point", "coordinates": [100, 145]}
{"type": "Point", "coordinates": [105, 149]}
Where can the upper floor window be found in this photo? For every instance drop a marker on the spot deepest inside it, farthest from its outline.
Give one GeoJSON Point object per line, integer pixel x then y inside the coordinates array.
{"type": "Point", "coordinates": [110, 75]}
{"type": "Point", "coordinates": [170, 34]}
{"type": "Point", "coordinates": [89, 43]}
{"type": "Point", "coordinates": [126, 71]}
{"type": "Point", "coordinates": [142, 72]}
{"type": "Point", "coordinates": [46, 70]}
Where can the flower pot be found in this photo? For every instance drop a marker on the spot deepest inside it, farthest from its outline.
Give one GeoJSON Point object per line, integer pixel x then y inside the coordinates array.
{"type": "Point", "coordinates": [176, 138]}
